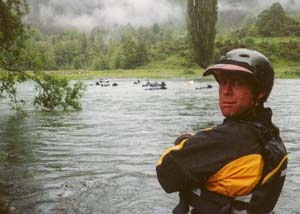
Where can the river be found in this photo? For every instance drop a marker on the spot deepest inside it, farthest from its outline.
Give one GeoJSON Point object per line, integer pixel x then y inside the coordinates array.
{"type": "Point", "coordinates": [102, 159]}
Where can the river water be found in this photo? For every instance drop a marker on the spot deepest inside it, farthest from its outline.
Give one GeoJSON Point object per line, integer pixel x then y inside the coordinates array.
{"type": "Point", "coordinates": [102, 159]}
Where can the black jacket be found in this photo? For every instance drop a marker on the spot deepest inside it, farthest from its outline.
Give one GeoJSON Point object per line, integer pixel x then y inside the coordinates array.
{"type": "Point", "coordinates": [239, 157]}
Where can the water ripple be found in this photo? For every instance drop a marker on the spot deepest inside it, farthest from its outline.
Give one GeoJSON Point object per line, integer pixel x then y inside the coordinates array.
{"type": "Point", "coordinates": [102, 159]}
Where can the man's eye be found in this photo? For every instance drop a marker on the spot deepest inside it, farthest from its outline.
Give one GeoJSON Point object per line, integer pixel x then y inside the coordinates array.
{"type": "Point", "coordinates": [237, 83]}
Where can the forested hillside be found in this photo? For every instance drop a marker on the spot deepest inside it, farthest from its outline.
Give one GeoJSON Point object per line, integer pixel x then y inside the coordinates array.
{"type": "Point", "coordinates": [161, 45]}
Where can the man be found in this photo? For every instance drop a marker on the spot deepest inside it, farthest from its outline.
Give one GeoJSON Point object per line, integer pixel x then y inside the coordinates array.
{"type": "Point", "coordinates": [240, 165]}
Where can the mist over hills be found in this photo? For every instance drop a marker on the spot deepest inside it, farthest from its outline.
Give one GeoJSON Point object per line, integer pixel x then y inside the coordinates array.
{"type": "Point", "coordinates": [84, 15]}
{"type": "Point", "coordinates": [248, 5]}
{"type": "Point", "coordinates": [59, 15]}
{"type": "Point", "coordinates": [234, 14]}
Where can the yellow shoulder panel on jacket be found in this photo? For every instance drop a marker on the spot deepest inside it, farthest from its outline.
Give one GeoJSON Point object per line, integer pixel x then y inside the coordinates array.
{"type": "Point", "coordinates": [206, 129]}
{"type": "Point", "coordinates": [238, 177]}
{"type": "Point", "coordinates": [177, 147]}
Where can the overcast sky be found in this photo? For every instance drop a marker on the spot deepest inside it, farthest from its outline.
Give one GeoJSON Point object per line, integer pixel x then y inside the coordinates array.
{"type": "Point", "coordinates": [86, 14]}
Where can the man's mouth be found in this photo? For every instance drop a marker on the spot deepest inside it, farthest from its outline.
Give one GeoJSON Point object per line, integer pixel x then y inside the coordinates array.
{"type": "Point", "coordinates": [228, 103]}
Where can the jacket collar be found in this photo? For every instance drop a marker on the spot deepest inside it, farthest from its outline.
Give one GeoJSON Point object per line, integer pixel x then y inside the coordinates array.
{"type": "Point", "coordinates": [262, 115]}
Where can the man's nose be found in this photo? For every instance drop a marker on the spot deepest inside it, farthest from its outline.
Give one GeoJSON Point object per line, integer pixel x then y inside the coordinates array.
{"type": "Point", "coordinates": [226, 88]}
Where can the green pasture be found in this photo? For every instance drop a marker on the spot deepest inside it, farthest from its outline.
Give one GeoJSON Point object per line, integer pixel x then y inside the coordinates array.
{"type": "Point", "coordinates": [283, 70]}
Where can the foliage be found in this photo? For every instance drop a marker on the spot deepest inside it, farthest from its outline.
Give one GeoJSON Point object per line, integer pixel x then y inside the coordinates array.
{"type": "Point", "coordinates": [12, 31]}
{"type": "Point", "coordinates": [277, 49]}
{"type": "Point", "coordinates": [275, 22]}
{"type": "Point", "coordinates": [118, 47]}
{"type": "Point", "coordinates": [274, 34]}
{"type": "Point", "coordinates": [100, 62]}
{"type": "Point", "coordinates": [8, 82]}
{"type": "Point", "coordinates": [202, 18]}
{"type": "Point", "coordinates": [57, 93]}
{"type": "Point", "coordinates": [12, 35]}
{"type": "Point", "coordinates": [19, 52]}
{"type": "Point", "coordinates": [124, 47]}
{"type": "Point", "coordinates": [11, 26]}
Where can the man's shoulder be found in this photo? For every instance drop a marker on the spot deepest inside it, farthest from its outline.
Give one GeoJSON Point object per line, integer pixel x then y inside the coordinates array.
{"type": "Point", "coordinates": [238, 126]}
{"type": "Point", "coordinates": [231, 131]}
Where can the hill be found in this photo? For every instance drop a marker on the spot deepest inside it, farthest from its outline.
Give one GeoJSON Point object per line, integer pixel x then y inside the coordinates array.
{"type": "Point", "coordinates": [164, 45]}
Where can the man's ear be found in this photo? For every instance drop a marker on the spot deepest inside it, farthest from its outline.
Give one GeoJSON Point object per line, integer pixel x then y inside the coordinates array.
{"type": "Point", "coordinates": [261, 95]}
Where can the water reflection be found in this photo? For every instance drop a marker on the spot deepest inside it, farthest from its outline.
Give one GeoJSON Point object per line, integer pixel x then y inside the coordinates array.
{"type": "Point", "coordinates": [17, 169]}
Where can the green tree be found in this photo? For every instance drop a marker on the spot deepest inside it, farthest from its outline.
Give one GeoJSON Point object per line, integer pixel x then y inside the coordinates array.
{"type": "Point", "coordinates": [65, 52]}
{"type": "Point", "coordinates": [271, 22]}
{"type": "Point", "coordinates": [38, 53]}
{"type": "Point", "coordinates": [155, 29]}
{"type": "Point", "coordinates": [56, 93]}
{"type": "Point", "coordinates": [12, 31]}
{"type": "Point", "coordinates": [100, 62]}
{"type": "Point", "coordinates": [97, 40]}
{"type": "Point", "coordinates": [275, 22]}
{"type": "Point", "coordinates": [202, 18]}
{"type": "Point", "coordinates": [142, 54]}
{"type": "Point", "coordinates": [84, 43]}
{"type": "Point", "coordinates": [14, 36]}
{"type": "Point", "coordinates": [128, 54]}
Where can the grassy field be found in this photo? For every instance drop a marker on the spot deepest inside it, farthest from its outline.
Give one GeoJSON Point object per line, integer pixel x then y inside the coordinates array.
{"type": "Point", "coordinates": [287, 70]}
{"type": "Point", "coordinates": [283, 70]}
{"type": "Point", "coordinates": [136, 73]}
{"type": "Point", "coordinates": [275, 40]}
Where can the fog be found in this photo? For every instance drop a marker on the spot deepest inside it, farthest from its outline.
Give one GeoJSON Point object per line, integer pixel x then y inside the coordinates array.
{"type": "Point", "coordinates": [84, 15]}
{"type": "Point", "coordinates": [256, 5]}
{"type": "Point", "coordinates": [87, 14]}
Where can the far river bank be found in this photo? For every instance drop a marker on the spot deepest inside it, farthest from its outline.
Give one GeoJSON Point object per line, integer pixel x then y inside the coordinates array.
{"type": "Point", "coordinates": [284, 72]}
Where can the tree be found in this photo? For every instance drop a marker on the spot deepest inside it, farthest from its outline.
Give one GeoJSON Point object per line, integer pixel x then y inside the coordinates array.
{"type": "Point", "coordinates": [14, 35]}
{"type": "Point", "coordinates": [155, 29]}
{"type": "Point", "coordinates": [40, 51]}
{"type": "Point", "coordinates": [65, 53]}
{"type": "Point", "coordinates": [100, 62]}
{"type": "Point", "coordinates": [12, 31]}
{"type": "Point", "coordinates": [275, 22]}
{"type": "Point", "coordinates": [142, 55]}
{"type": "Point", "coordinates": [202, 18]}
{"type": "Point", "coordinates": [128, 54]}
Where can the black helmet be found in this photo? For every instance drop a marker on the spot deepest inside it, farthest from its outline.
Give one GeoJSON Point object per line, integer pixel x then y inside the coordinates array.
{"type": "Point", "coordinates": [248, 61]}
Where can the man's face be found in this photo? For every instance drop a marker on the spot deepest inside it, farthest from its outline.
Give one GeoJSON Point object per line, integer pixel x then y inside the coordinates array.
{"type": "Point", "coordinates": [236, 94]}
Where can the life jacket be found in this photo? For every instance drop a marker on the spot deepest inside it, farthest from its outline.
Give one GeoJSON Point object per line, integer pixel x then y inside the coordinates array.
{"type": "Point", "coordinates": [261, 200]}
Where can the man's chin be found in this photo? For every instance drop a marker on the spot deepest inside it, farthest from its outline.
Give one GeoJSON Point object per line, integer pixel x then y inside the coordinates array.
{"type": "Point", "coordinates": [227, 112]}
